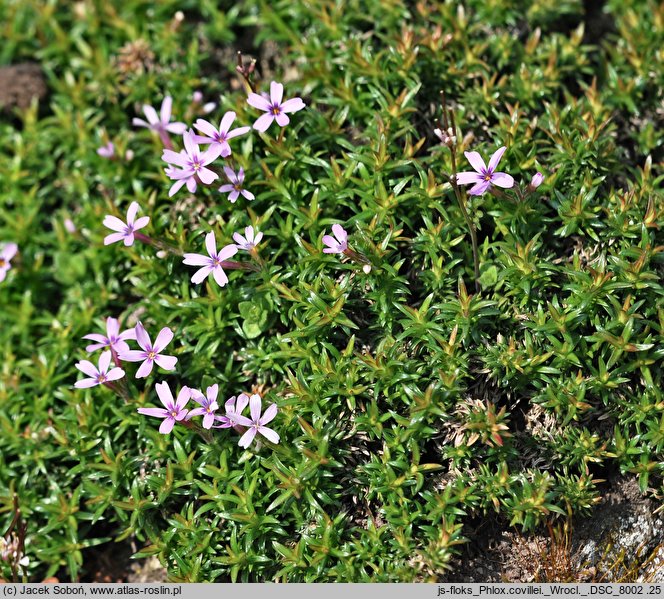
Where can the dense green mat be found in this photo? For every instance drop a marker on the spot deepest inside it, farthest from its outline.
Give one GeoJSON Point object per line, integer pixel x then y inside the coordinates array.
{"type": "Point", "coordinates": [411, 407]}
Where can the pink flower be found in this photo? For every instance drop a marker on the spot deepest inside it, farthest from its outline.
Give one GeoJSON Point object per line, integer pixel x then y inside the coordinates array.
{"type": "Point", "coordinates": [257, 422]}
{"type": "Point", "coordinates": [212, 264]}
{"type": "Point", "coordinates": [248, 242]}
{"type": "Point", "coordinates": [236, 186]}
{"type": "Point", "coordinates": [150, 353]}
{"type": "Point", "coordinates": [192, 164]}
{"type": "Point", "coordinates": [208, 404]}
{"type": "Point", "coordinates": [98, 376]}
{"type": "Point", "coordinates": [114, 340]}
{"type": "Point", "coordinates": [173, 411]}
{"type": "Point", "coordinates": [338, 245]}
{"type": "Point", "coordinates": [125, 230]}
{"type": "Point", "coordinates": [160, 123]}
{"type": "Point", "coordinates": [234, 409]}
{"type": "Point", "coordinates": [484, 176]}
{"type": "Point", "coordinates": [6, 254]}
{"type": "Point", "coordinates": [219, 137]}
{"type": "Point", "coordinates": [275, 109]}
{"type": "Point", "coordinates": [69, 225]}
{"type": "Point", "coordinates": [536, 181]}
{"type": "Point", "coordinates": [107, 151]}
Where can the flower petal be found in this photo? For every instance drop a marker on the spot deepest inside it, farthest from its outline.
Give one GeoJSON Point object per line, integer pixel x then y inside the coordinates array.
{"type": "Point", "coordinates": [113, 238]}
{"type": "Point", "coordinates": [502, 180]}
{"type": "Point", "coordinates": [220, 276]}
{"type": "Point", "coordinates": [211, 244]}
{"type": "Point", "coordinates": [292, 105]}
{"type": "Point", "coordinates": [166, 107]}
{"type": "Point", "coordinates": [114, 223]}
{"type": "Point", "coordinates": [206, 127]}
{"type": "Point", "coordinates": [247, 438]}
{"type": "Point", "coordinates": [165, 395]}
{"type": "Point", "coordinates": [167, 425]}
{"type": "Point", "coordinates": [340, 233]}
{"type": "Point", "coordinates": [479, 188]}
{"type": "Point", "coordinates": [9, 251]}
{"type": "Point", "coordinates": [201, 274]}
{"type": "Point", "coordinates": [145, 369]}
{"type": "Point", "coordinates": [142, 337]}
{"type": "Point", "coordinates": [151, 114]}
{"type": "Point", "coordinates": [263, 122]}
{"type": "Point", "coordinates": [196, 260]}
{"type": "Point", "coordinates": [87, 367]}
{"type": "Point", "coordinates": [166, 362]}
{"type": "Point", "coordinates": [162, 340]}
{"type": "Point", "coordinates": [183, 397]}
{"type": "Point", "coordinates": [133, 355]}
{"type": "Point", "coordinates": [176, 128]}
{"type": "Point", "coordinates": [157, 412]}
{"type": "Point", "coordinates": [282, 119]}
{"type": "Point", "coordinates": [269, 414]}
{"type": "Point", "coordinates": [258, 102]}
{"type": "Point", "coordinates": [227, 251]}
{"type": "Point", "coordinates": [495, 159]}
{"type": "Point", "coordinates": [226, 122]}
{"type": "Point", "coordinates": [175, 158]}
{"type": "Point", "coordinates": [104, 361]}
{"type": "Point", "coordinates": [141, 222]}
{"type": "Point", "coordinates": [255, 407]}
{"type": "Point", "coordinates": [468, 177]}
{"type": "Point", "coordinates": [86, 383]}
{"type": "Point", "coordinates": [475, 161]}
{"type": "Point", "coordinates": [207, 176]}
{"type": "Point", "coordinates": [276, 92]}
{"type": "Point", "coordinates": [269, 434]}
{"type": "Point", "coordinates": [114, 374]}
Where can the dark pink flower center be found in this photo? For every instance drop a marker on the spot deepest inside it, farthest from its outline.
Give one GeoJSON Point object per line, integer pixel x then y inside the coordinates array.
{"type": "Point", "coordinates": [237, 186]}
{"type": "Point", "coordinates": [221, 137]}
{"type": "Point", "coordinates": [174, 413]}
{"type": "Point", "coordinates": [275, 109]}
{"type": "Point", "coordinates": [151, 355]}
{"type": "Point", "coordinates": [101, 378]}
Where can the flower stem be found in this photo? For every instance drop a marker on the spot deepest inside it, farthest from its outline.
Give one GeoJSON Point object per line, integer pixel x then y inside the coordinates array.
{"type": "Point", "coordinates": [161, 245]}
{"type": "Point", "coordinates": [239, 265]}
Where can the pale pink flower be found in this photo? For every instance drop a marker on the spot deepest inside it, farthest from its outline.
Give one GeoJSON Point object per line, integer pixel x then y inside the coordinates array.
{"type": "Point", "coordinates": [98, 376]}
{"type": "Point", "coordinates": [536, 181]}
{"type": "Point", "coordinates": [107, 151]}
{"type": "Point", "coordinates": [208, 403]}
{"type": "Point", "coordinates": [484, 176]}
{"type": "Point", "coordinates": [150, 353]}
{"type": "Point", "coordinates": [114, 339]}
{"type": "Point", "coordinates": [338, 245]}
{"type": "Point", "coordinates": [7, 252]}
{"type": "Point", "coordinates": [212, 263]}
{"type": "Point", "coordinates": [234, 408]}
{"type": "Point", "coordinates": [160, 122]}
{"type": "Point", "coordinates": [249, 241]}
{"type": "Point", "coordinates": [125, 231]}
{"type": "Point", "coordinates": [192, 164]}
{"type": "Point", "coordinates": [173, 411]}
{"type": "Point", "coordinates": [219, 137]}
{"type": "Point", "coordinates": [236, 185]}
{"type": "Point", "coordinates": [256, 424]}
{"type": "Point", "coordinates": [275, 109]}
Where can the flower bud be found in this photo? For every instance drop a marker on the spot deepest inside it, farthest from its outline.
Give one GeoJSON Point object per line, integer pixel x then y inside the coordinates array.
{"type": "Point", "coordinates": [197, 97]}
{"type": "Point", "coordinates": [536, 181]}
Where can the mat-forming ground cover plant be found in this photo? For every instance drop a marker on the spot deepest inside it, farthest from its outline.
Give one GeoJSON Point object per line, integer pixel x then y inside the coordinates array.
{"type": "Point", "coordinates": [325, 349]}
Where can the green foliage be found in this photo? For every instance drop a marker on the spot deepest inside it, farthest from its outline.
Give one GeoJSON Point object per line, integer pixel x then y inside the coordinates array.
{"type": "Point", "coordinates": [409, 404]}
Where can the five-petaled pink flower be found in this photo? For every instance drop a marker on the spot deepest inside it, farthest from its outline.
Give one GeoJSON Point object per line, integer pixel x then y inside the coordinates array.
{"type": "Point", "coordinates": [250, 240]}
{"type": "Point", "coordinates": [234, 409]}
{"type": "Point", "coordinates": [98, 376]}
{"type": "Point", "coordinates": [275, 109]}
{"type": "Point", "coordinates": [125, 230]}
{"type": "Point", "coordinates": [236, 185]}
{"type": "Point", "coordinates": [219, 137]}
{"type": "Point", "coordinates": [150, 353]}
{"type": "Point", "coordinates": [6, 254]}
{"type": "Point", "coordinates": [192, 164]}
{"type": "Point", "coordinates": [212, 264]}
{"type": "Point", "coordinates": [114, 339]}
{"type": "Point", "coordinates": [338, 245]}
{"type": "Point", "coordinates": [484, 176]}
{"type": "Point", "coordinates": [208, 403]}
{"type": "Point", "coordinates": [160, 123]}
{"type": "Point", "coordinates": [173, 411]}
{"type": "Point", "coordinates": [257, 422]}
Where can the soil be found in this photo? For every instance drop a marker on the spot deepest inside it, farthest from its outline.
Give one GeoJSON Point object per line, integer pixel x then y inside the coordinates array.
{"type": "Point", "coordinates": [622, 541]}
{"type": "Point", "coordinates": [19, 84]}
